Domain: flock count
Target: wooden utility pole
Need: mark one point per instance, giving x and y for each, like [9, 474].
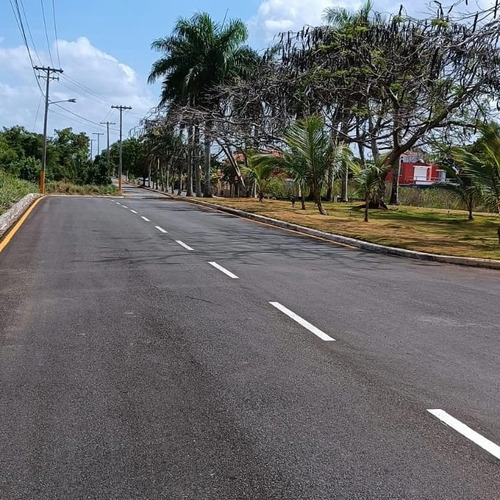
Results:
[121, 108]
[107, 146]
[98, 134]
[48, 70]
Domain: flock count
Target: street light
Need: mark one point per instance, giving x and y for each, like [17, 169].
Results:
[44, 153]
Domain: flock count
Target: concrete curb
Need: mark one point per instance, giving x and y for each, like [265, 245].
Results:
[344, 240]
[12, 215]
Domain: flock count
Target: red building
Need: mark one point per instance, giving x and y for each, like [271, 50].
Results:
[415, 172]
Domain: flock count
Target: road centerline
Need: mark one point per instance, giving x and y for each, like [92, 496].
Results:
[301, 321]
[161, 229]
[133, 211]
[224, 270]
[182, 244]
[145, 218]
[467, 432]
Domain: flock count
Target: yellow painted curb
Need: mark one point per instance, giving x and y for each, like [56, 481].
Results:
[18, 224]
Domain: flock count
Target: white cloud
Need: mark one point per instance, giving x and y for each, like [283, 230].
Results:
[109, 81]
[275, 16]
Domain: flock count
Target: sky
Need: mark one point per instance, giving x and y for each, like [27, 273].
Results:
[104, 50]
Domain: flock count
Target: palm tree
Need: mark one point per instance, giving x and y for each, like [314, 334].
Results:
[484, 166]
[461, 183]
[369, 181]
[341, 18]
[198, 56]
[307, 156]
[260, 173]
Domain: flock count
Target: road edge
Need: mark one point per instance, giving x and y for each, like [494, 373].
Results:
[15, 212]
[343, 240]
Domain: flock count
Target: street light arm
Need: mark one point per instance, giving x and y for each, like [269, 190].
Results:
[65, 100]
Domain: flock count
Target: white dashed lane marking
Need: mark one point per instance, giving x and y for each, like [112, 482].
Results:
[182, 244]
[145, 218]
[467, 432]
[161, 229]
[303, 322]
[225, 271]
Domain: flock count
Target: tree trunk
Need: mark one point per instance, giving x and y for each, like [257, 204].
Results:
[367, 206]
[189, 188]
[470, 206]
[329, 190]
[196, 161]
[207, 191]
[317, 200]
[396, 166]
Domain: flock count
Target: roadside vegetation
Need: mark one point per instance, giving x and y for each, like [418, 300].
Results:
[12, 190]
[440, 231]
[85, 189]
[69, 169]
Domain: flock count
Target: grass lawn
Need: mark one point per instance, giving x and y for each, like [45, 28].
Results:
[437, 231]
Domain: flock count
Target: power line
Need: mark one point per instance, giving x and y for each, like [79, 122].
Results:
[29, 33]
[55, 30]
[85, 94]
[79, 116]
[46, 32]
[37, 110]
[87, 89]
[19, 21]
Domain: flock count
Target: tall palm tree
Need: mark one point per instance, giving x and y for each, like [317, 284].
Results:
[199, 55]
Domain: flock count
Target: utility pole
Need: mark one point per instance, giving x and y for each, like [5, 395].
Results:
[121, 108]
[107, 147]
[98, 134]
[48, 70]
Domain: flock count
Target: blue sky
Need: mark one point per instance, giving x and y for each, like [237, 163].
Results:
[104, 49]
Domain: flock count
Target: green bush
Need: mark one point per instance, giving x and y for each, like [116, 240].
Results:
[69, 188]
[432, 197]
[12, 190]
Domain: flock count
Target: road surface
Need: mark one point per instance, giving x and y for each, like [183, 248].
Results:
[150, 349]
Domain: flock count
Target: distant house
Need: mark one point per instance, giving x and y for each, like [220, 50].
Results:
[415, 172]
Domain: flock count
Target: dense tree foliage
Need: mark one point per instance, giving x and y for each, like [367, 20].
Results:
[67, 157]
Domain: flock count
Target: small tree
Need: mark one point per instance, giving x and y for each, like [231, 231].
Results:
[483, 167]
[259, 171]
[369, 182]
[307, 155]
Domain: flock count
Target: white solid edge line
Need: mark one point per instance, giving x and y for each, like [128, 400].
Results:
[467, 432]
[133, 211]
[161, 229]
[145, 218]
[225, 271]
[182, 244]
[303, 322]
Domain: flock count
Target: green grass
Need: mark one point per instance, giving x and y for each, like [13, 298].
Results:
[12, 190]
[439, 231]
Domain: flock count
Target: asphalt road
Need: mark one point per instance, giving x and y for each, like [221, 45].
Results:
[153, 350]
